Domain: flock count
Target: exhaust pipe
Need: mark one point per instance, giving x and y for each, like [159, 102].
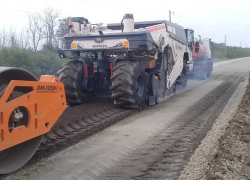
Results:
[128, 21]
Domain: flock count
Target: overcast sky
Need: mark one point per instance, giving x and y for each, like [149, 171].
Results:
[209, 18]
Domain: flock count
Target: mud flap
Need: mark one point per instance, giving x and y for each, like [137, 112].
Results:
[151, 100]
[159, 88]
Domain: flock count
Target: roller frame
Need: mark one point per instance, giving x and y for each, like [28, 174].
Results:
[44, 108]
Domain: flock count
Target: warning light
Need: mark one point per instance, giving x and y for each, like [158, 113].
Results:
[126, 44]
[73, 45]
[70, 24]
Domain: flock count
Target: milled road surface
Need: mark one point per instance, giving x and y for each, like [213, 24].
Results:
[154, 144]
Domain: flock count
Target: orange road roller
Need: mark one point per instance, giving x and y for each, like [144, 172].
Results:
[28, 109]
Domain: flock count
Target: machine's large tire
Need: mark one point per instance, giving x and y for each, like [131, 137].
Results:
[182, 79]
[209, 68]
[129, 84]
[184, 74]
[202, 75]
[71, 75]
[203, 71]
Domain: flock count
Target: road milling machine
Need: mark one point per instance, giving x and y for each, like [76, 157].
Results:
[139, 62]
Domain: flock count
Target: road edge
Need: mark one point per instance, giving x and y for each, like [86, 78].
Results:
[196, 167]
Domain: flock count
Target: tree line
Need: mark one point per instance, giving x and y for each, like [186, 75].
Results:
[44, 31]
[220, 52]
[38, 63]
[34, 48]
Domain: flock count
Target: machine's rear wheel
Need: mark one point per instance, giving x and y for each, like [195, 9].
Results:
[209, 68]
[203, 71]
[202, 75]
[184, 74]
[71, 75]
[182, 79]
[129, 84]
[15, 157]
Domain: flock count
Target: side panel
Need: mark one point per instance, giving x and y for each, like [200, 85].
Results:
[44, 104]
[177, 45]
[96, 42]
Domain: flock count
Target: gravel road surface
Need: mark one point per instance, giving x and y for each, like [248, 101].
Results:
[156, 143]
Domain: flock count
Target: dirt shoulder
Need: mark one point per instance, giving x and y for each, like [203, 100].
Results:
[225, 152]
[232, 160]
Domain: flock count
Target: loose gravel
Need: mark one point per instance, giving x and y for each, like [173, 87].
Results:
[232, 160]
[223, 152]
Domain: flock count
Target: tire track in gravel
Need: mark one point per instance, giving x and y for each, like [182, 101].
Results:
[76, 124]
[81, 127]
[165, 155]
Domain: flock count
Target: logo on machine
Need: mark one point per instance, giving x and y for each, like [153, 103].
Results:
[100, 46]
[120, 44]
[47, 89]
[178, 47]
[98, 40]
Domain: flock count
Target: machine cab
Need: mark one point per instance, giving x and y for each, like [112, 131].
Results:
[190, 38]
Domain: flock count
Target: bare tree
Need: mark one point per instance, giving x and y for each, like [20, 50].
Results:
[36, 30]
[62, 30]
[50, 22]
[3, 38]
[40, 26]
[63, 27]
[24, 39]
[12, 38]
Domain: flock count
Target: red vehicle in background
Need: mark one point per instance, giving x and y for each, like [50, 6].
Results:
[203, 64]
[202, 55]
